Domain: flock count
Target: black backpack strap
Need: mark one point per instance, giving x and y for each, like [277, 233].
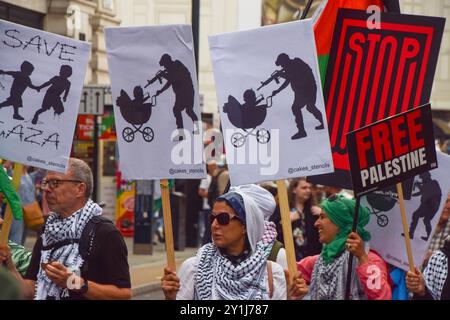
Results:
[87, 240]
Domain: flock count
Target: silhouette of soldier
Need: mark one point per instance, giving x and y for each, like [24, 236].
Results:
[179, 77]
[52, 99]
[301, 78]
[21, 82]
[431, 194]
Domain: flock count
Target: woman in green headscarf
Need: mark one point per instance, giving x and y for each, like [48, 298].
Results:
[326, 273]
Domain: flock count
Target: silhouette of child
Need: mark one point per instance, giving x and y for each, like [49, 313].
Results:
[52, 99]
[21, 82]
[250, 99]
[139, 97]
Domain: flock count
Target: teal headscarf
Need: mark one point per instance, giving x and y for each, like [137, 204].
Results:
[7, 188]
[341, 211]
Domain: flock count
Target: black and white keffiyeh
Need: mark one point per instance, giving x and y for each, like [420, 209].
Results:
[58, 229]
[328, 281]
[244, 281]
[435, 274]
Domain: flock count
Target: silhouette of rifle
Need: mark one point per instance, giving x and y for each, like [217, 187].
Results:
[275, 76]
[159, 76]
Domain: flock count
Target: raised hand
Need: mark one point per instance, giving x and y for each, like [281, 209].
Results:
[170, 284]
[415, 282]
[298, 287]
[355, 245]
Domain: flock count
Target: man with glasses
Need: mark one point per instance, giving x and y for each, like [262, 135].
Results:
[63, 265]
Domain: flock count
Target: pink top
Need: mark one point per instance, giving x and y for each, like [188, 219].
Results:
[373, 275]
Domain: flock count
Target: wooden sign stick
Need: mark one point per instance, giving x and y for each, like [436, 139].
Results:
[168, 230]
[405, 227]
[287, 228]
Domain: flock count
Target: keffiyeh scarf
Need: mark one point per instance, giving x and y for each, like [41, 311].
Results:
[59, 229]
[328, 280]
[244, 281]
[436, 273]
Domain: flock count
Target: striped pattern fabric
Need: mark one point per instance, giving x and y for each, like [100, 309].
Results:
[20, 256]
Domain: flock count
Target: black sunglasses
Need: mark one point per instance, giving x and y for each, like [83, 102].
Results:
[223, 218]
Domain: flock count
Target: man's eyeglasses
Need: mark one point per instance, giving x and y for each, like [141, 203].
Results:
[54, 183]
[223, 218]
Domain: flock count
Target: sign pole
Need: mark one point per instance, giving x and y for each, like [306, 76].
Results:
[350, 259]
[405, 227]
[6, 227]
[168, 230]
[287, 228]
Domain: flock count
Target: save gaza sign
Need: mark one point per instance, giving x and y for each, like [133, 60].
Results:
[392, 150]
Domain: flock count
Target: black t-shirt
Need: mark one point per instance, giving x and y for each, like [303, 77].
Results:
[108, 263]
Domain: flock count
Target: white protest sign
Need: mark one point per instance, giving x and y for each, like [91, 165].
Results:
[156, 105]
[41, 78]
[425, 197]
[271, 103]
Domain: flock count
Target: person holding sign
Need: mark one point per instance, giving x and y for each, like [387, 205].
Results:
[326, 273]
[68, 263]
[234, 266]
[434, 283]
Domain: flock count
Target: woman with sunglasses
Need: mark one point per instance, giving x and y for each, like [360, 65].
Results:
[234, 266]
[326, 274]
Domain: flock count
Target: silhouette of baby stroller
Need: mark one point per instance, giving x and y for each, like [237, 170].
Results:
[248, 118]
[381, 201]
[136, 113]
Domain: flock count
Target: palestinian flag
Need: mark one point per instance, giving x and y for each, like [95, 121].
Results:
[324, 26]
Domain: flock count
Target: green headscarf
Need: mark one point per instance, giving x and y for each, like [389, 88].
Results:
[7, 188]
[341, 211]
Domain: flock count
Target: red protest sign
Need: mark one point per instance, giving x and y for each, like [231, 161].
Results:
[391, 150]
[374, 73]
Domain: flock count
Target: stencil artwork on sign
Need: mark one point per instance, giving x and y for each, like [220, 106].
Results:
[137, 113]
[248, 116]
[179, 78]
[20, 83]
[299, 75]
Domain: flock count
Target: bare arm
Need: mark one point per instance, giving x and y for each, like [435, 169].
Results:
[203, 193]
[106, 292]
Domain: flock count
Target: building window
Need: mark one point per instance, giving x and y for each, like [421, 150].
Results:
[21, 16]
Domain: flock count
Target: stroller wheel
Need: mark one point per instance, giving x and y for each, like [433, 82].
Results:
[148, 134]
[237, 139]
[263, 136]
[128, 134]
[382, 220]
